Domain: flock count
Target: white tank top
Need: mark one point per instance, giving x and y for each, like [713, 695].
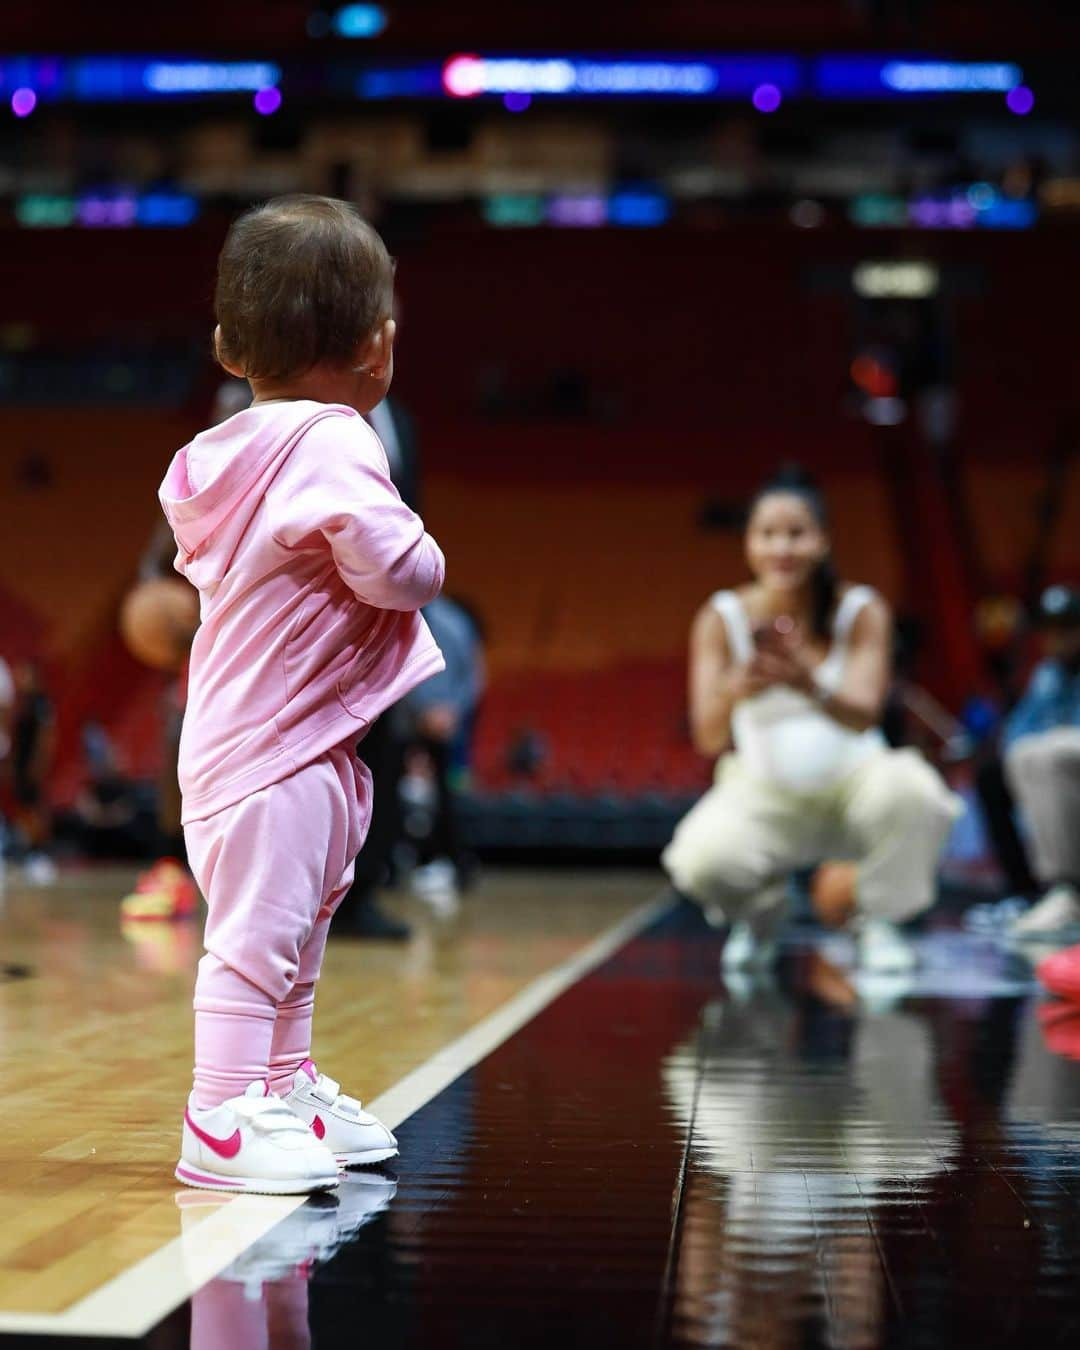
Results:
[782, 735]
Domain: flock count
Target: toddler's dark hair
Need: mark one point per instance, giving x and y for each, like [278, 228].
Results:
[301, 279]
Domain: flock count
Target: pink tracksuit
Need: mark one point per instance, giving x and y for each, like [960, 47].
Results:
[310, 571]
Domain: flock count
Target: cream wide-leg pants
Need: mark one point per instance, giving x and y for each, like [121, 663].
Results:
[1044, 773]
[892, 815]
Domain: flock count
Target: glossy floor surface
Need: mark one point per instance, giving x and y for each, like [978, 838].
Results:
[95, 1049]
[663, 1157]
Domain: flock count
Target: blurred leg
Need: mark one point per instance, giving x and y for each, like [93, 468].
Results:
[444, 841]
[998, 807]
[740, 836]
[170, 831]
[381, 750]
[1044, 773]
[897, 816]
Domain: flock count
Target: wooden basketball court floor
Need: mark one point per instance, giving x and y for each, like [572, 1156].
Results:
[95, 1050]
[604, 1141]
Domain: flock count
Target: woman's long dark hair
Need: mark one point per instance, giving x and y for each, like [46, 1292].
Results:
[794, 481]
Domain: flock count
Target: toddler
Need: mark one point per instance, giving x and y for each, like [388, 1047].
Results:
[310, 572]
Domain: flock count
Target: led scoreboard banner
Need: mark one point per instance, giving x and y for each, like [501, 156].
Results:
[765, 79]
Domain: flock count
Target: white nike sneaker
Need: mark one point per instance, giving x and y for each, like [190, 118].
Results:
[253, 1143]
[883, 949]
[1059, 908]
[744, 951]
[353, 1136]
[752, 943]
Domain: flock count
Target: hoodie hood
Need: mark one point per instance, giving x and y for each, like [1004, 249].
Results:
[232, 465]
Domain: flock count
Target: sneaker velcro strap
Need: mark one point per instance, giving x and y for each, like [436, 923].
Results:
[326, 1090]
[269, 1114]
[278, 1124]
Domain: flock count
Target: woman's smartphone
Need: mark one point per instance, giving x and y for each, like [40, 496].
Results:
[774, 633]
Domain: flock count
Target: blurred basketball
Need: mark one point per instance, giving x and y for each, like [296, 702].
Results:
[158, 620]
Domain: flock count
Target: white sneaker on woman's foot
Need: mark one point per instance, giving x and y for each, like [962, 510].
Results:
[355, 1137]
[743, 950]
[883, 949]
[253, 1143]
[752, 943]
[1058, 909]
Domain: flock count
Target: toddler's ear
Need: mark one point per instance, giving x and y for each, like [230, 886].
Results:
[222, 360]
[377, 353]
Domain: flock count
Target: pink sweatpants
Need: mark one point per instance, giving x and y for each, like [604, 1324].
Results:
[273, 869]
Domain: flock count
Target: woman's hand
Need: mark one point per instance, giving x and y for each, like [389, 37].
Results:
[786, 664]
[782, 658]
[746, 681]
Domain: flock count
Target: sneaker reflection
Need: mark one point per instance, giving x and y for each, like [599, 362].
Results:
[225, 1316]
[259, 1301]
[804, 1120]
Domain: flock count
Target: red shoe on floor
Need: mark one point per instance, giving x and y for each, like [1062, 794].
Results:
[164, 891]
[1060, 973]
[1060, 1023]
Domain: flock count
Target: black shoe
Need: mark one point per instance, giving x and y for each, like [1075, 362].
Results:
[467, 866]
[369, 921]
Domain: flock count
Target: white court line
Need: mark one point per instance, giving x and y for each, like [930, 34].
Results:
[135, 1301]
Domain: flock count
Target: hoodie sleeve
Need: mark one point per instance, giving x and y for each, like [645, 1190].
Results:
[337, 485]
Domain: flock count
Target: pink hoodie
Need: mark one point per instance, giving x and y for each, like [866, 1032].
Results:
[310, 570]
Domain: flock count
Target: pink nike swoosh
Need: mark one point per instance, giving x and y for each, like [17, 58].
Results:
[318, 1127]
[226, 1148]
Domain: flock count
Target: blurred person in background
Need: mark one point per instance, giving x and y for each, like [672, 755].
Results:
[165, 890]
[394, 428]
[1042, 766]
[383, 748]
[1001, 625]
[33, 742]
[111, 817]
[1010, 850]
[443, 710]
[788, 680]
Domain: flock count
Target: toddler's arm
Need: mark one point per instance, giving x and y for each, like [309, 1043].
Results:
[339, 487]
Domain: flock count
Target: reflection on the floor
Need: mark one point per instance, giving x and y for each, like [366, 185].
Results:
[666, 1158]
[261, 1298]
[95, 1056]
[802, 1123]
